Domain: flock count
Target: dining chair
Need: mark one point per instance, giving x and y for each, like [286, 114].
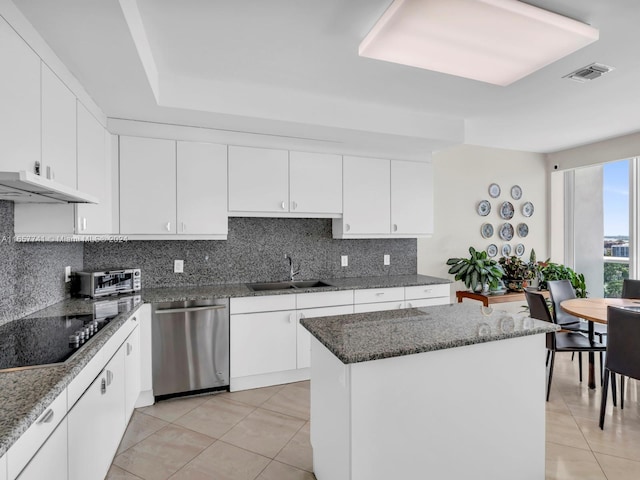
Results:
[623, 354]
[559, 291]
[630, 288]
[563, 341]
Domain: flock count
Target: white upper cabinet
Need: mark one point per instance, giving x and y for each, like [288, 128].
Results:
[19, 101]
[202, 188]
[385, 199]
[315, 183]
[94, 176]
[58, 130]
[367, 196]
[411, 198]
[258, 180]
[147, 186]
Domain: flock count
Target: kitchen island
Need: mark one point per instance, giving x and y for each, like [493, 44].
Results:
[444, 392]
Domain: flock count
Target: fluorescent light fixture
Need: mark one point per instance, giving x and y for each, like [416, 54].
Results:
[493, 41]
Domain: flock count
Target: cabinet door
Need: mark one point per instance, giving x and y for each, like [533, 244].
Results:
[258, 180]
[96, 423]
[3, 467]
[411, 198]
[131, 371]
[51, 460]
[202, 188]
[377, 307]
[367, 194]
[304, 337]
[262, 343]
[20, 101]
[315, 183]
[58, 130]
[94, 175]
[147, 186]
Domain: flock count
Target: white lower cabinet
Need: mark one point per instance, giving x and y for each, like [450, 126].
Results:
[97, 422]
[131, 372]
[427, 295]
[3, 467]
[263, 342]
[303, 335]
[51, 460]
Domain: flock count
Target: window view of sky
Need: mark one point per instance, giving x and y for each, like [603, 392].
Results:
[616, 198]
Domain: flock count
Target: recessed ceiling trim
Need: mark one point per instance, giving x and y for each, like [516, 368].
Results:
[134, 21]
[493, 41]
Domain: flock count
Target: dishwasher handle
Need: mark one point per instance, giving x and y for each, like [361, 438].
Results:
[191, 309]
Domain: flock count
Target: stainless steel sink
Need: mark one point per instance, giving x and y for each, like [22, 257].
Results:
[260, 287]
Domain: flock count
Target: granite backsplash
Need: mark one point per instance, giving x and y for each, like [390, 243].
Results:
[255, 252]
[31, 274]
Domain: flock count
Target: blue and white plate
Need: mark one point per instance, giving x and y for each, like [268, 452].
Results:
[492, 250]
[507, 210]
[527, 209]
[494, 190]
[486, 230]
[522, 229]
[519, 250]
[506, 232]
[516, 192]
[506, 250]
[484, 208]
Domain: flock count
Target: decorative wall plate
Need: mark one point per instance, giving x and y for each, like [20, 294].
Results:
[516, 192]
[527, 209]
[492, 250]
[486, 230]
[506, 250]
[494, 190]
[506, 232]
[484, 208]
[522, 229]
[507, 210]
[519, 250]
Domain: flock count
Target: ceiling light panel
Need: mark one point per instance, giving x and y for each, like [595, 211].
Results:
[493, 41]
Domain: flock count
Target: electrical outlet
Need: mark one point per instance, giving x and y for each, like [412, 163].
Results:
[67, 274]
[178, 266]
[387, 259]
[345, 260]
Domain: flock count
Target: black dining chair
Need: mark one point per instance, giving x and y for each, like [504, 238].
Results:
[562, 341]
[630, 288]
[559, 291]
[623, 354]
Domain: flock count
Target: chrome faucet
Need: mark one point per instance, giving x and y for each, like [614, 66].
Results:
[292, 272]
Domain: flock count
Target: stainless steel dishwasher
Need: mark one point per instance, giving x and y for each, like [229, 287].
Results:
[190, 347]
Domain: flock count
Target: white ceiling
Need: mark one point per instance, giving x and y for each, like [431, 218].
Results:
[291, 68]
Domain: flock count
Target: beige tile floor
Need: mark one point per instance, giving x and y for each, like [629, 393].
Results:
[263, 434]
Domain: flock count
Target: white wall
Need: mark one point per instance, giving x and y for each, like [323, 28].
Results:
[462, 176]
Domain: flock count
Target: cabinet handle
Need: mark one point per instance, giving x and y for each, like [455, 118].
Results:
[399, 306]
[283, 205]
[294, 205]
[129, 349]
[184, 227]
[168, 226]
[291, 318]
[84, 223]
[347, 227]
[46, 418]
[109, 377]
[103, 386]
[134, 319]
[409, 305]
[395, 227]
[379, 294]
[427, 290]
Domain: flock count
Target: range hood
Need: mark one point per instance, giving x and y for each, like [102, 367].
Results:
[27, 187]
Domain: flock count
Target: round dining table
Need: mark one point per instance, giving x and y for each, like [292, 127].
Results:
[595, 310]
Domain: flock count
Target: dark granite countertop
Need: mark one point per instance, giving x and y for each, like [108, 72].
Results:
[173, 294]
[26, 393]
[362, 337]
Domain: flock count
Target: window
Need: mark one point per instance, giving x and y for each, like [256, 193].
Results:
[615, 201]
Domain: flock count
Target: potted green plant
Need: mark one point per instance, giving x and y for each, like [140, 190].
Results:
[556, 271]
[478, 272]
[517, 273]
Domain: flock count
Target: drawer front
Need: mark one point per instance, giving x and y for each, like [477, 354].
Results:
[30, 441]
[427, 302]
[372, 295]
[324, 299]
[265, 303]
[427, 291]
[92, 369]
[377, 307]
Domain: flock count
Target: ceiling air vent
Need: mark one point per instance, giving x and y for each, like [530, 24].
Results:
[590, 72]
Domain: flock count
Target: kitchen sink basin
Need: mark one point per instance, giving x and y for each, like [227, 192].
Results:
[260, 287]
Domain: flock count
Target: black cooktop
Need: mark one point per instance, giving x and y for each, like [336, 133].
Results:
[48, 340]
[31, 342]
